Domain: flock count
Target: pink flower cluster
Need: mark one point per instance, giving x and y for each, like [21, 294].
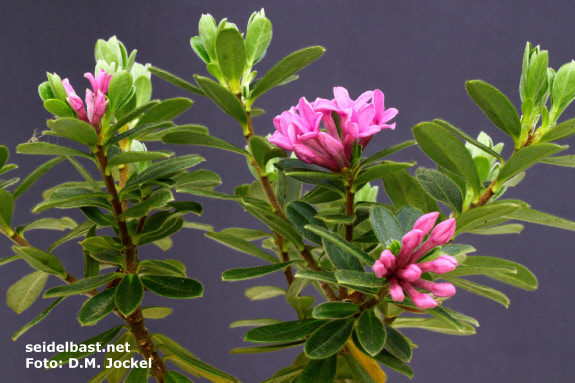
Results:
[95, 101]
[404, 273]
[298, 129]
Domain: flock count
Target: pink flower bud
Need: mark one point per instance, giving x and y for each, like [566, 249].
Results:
[395, 290]
[387, 259]
[408, 243]
[379, 269]
[425, 222]
[443, 264]
[410, 273]
[101, 82]
[437, 289]
[443, 232]
[423, 301]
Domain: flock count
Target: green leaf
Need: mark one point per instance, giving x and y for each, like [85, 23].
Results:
[156, 201]
[135, 113]
[566, 161]
[258, 37]
[342, 243]
[301, 214]
[186, 361]
[253, 272]
[440, 314]
[263, 151]
[175, 80]
[6, 209]
[387, 152]
[100, 243]
[156, 312]
[75, 130]
[538, 217]
[379, 171]
[36, 320]
[386, 358]
[164, 168]
[74, 200]
[335, 310]
[284, 332]
[139, 132]
[201, 139]
[49, 224]
[359, 278]
[224, 99]
[131, 157]
[385, 226]
[267, 348]
[341, 258]
[137, 375]
[58, 108]
[322, 276]
[469, 139]
[78, 231]
[231, 54]
[23, 293]
[57, 87]
[254, 322]
[259, 293]
[478, 289]
[103, 339]
[406, 217]
[512, 228]
[166, 110]
[119, 88]
[563, 87]
[175, 377]
[370, 332]
[356, 370]
[129, 294]
[44, 148]
[173, 287]
[40, 260]
[81, 286]
[285, 68]
[434, 325]
[397, 344]
[522, 278]
[319, 371]
[246, 234]
[276, 223]
[156, 267]
[406, 190]
[45, 91]
[483, 215]
[441, 187]
[496, 107]
[447, 151]
[241, 245]
[329, 339]
[525, 158]
[96, 308]
[563, 130]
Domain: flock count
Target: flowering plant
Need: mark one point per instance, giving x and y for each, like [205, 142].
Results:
[379, 267]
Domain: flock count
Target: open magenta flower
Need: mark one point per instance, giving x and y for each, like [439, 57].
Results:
[299, 128]
[404, 272]
[95, 100]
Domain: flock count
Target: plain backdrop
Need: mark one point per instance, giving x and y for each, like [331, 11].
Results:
[419, 53]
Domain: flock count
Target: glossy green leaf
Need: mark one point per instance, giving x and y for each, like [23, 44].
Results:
[387, 359]
[254, 322]
[137, 375]
[131, 157]
[538, 217]
[200, 139]
[6, 209]
[406, 190]
[522, 278]
[566, 161]
[379, 171]
[176, 377]
[258, 37]
[36, 320]
[44, 148]
[512, 228]
[341, 258]
[478, 289]
[156, 312]
[175, 80]
[24, 293]
[385, 226]
[435, 325]
[262, 151]
[231, 54]
[341, 243]
[75, 130]
[357, 371]
[156, 201]
[527, 157]
[483, 215]
[441, 187]
[322, 276]
[224, 99]
[103, 339]
[96, 308]
[78, 231]
[370, 332]
[285, 68]
[563, 87]
[447, 151]
[101, 243]
[156, 267]
[81, 286]
[166, 110]
[241, 245]
[259, 293]
[41, 260]
[397, 344]
[129, 294]
[496, 107]
[119, 88]
[284, 332]
[140, 132]
[164, 168]
[335, 310]
[276, 223]
[319, 371]
[135, 113]
[387, 152]
[359, 278]
[253, 272]
[329, 338]
[58, 108]
[74, 200]
[301, 214]
[173, 287]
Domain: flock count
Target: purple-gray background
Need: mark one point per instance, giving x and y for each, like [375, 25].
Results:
[418, 52]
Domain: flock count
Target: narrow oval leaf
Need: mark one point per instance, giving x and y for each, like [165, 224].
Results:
[370, 332]
[23, 293]
[119, 88]
[447, 151]
[97, 307]
[156, 312]
[36, 320]
[166, 110]
[34, 176]
[241, 245]
[156, 201]
[47, 149]
[335, 310]
[102, 339]
[164, 168]
[301, 214]
[201, 139]
[341, 258]
[131, 157]
[396, 343]
[173, 287]
[224, 99]
[329, 339]
[285, 68]
[441, 187]
[478, 289]
[231, 54]
[41, 260]
[319, 371]
[385, 226]
[342, 243]
[129, 294]
[175, 80]
[496, 107]
[284, 332]
[253, 272]
[522, 278]
[483, 215]
[81, 286]
[6, 209]
[75, 130]
[259, 293]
